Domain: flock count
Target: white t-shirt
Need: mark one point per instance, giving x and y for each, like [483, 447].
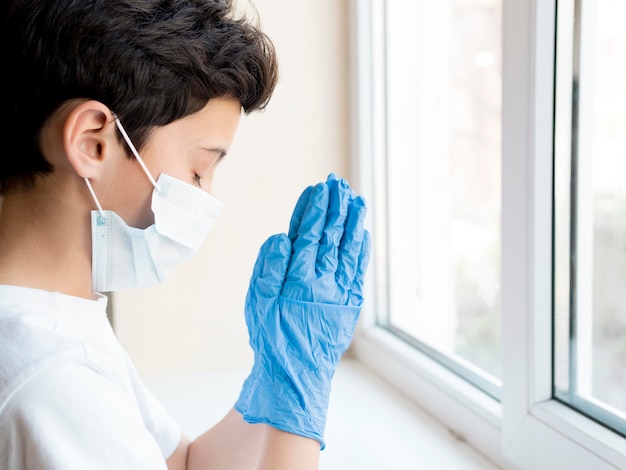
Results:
[70, 397]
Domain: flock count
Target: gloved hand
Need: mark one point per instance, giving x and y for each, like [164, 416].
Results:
[302, 306]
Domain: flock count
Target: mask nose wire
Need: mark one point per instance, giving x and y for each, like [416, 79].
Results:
[135, 153]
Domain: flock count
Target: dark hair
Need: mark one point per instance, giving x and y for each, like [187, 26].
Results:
[150, 61]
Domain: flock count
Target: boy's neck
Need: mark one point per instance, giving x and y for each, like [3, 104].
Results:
[45, 244]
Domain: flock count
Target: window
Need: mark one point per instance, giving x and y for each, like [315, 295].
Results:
[590, 210]
[465, 141]
[442, 94]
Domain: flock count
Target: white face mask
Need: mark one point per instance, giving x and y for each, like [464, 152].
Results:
[125, 257]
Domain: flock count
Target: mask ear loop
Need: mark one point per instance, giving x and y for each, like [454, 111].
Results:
[93, 195]
[135, 153]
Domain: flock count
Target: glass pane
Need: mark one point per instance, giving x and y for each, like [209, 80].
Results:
[444, 160]
[590, 212]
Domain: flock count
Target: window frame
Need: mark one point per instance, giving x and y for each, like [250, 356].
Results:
[528, 427]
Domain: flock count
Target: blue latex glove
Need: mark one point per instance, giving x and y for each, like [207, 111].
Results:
[302, 306]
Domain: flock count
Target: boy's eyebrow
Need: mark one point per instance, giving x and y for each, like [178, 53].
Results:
[219, 150]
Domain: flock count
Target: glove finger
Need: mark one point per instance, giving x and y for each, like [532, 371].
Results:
[338, 201]
[296, 217]
[351, 243]
[333, 176]
[309, 234]
[356, 292]
[271, 266]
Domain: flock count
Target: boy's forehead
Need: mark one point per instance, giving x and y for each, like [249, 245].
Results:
[212, 128]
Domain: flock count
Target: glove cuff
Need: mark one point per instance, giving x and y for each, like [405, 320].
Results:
[295, 403]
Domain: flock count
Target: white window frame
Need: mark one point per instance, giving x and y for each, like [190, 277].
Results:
[527, 428]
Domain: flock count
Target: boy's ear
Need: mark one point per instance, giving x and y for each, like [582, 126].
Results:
[89, 136]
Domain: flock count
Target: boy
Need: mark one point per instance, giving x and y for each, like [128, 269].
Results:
[117, 115]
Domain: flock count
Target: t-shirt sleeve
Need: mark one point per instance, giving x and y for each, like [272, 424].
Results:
[160, 423]
[71, 417]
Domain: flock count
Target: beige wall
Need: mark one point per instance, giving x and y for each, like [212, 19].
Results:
[194, 322]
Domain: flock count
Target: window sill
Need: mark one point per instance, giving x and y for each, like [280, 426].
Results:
[369, 425]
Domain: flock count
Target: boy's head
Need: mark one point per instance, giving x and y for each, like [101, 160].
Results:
[150, 62]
